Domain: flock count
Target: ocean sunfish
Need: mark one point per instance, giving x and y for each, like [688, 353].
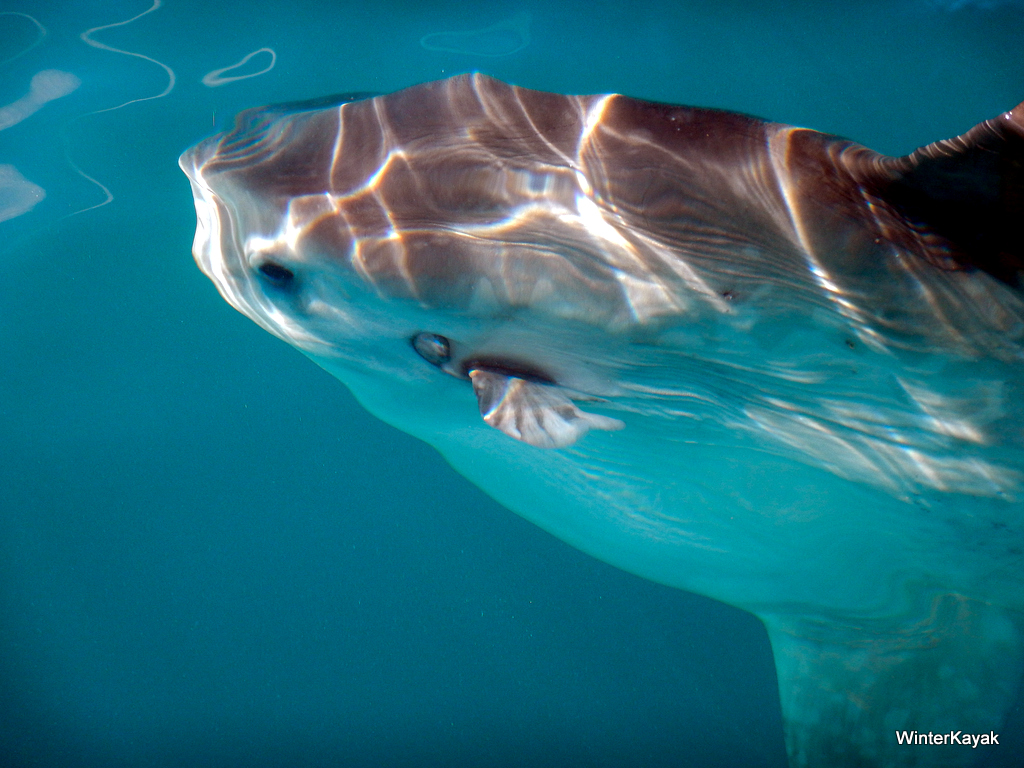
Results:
[744, 359]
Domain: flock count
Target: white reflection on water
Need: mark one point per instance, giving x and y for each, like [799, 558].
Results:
[18, 195]
[501, 39]
[216, 78]
[40, 34]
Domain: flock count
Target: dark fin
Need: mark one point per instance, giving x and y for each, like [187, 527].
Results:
[851, 692]
[969, 191]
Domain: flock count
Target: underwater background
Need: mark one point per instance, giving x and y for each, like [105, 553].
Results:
[209, 554]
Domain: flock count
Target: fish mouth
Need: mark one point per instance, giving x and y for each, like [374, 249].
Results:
[192, 160]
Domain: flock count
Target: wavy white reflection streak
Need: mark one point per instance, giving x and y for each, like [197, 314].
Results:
[899, 463]
[214, 80]
[41, 29]
[86, 38]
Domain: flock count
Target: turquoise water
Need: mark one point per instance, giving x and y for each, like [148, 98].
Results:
[209, 554]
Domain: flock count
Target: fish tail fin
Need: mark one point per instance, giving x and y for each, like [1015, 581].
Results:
[878, 693]
[964, 197]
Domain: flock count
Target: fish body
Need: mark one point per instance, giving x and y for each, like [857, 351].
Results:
[748, 360]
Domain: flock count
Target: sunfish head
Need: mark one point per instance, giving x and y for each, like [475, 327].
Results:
[451, 256]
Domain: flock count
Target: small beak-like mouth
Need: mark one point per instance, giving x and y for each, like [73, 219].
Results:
[195, 158]
[192, 158]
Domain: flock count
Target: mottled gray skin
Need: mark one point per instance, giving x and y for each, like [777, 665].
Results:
[748, 360]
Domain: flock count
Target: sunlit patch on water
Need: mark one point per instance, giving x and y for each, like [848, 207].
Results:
[18, 195]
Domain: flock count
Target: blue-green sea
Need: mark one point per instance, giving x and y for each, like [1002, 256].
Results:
[210, 555]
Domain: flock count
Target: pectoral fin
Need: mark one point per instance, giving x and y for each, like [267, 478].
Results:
[538, 414]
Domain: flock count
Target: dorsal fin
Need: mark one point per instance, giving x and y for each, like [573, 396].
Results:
[968, 190]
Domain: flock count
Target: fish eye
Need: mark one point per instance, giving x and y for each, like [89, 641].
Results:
[436, 350]
[276, 273]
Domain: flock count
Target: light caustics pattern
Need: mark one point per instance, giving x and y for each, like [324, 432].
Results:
[806, 392]
[217, 78]
[87, 38]
[18, 195]
[39, 29]
[501, 39]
